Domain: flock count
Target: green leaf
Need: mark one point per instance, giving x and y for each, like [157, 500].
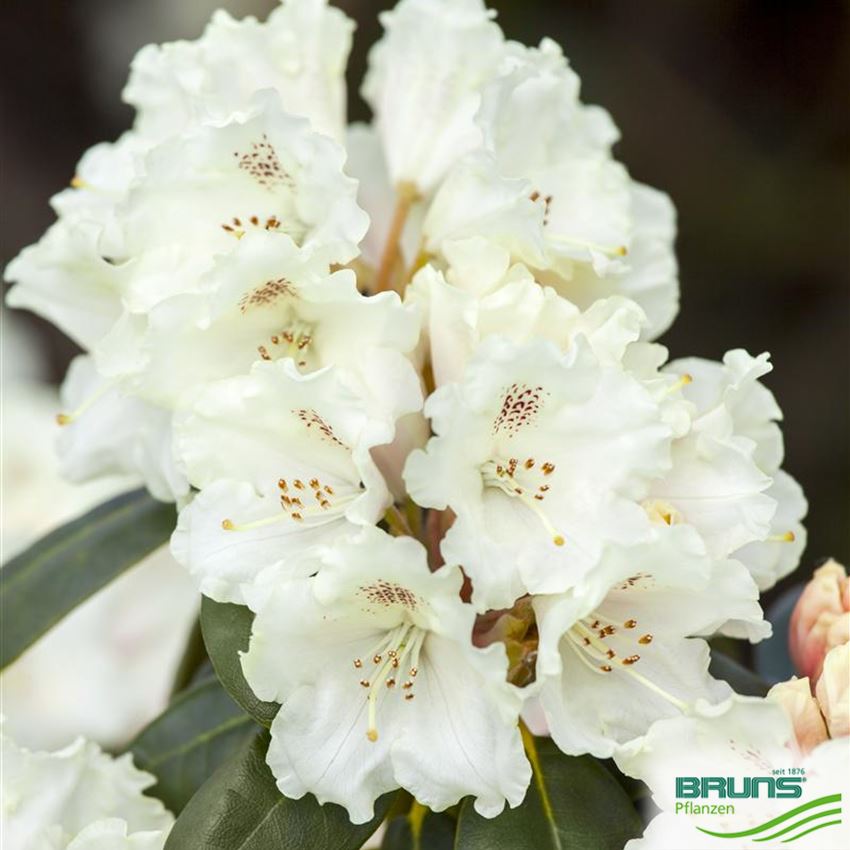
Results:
[194, 659]
[742, 680]
[240, 808]
[420, 829]
[182, 747]
[47, 581]
[571, 803]
[227, 630]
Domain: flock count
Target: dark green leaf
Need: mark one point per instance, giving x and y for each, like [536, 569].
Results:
[182, 747]
[227, 630]
[420, 830]
[742, 680]
[772, 657]
[47, 581]
[193, 660]
[240, 808]
[571, 803]
[634, 788]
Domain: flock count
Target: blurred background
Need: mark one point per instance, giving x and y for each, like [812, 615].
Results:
[739, 109]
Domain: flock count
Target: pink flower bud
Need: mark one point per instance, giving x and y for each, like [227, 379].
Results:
[821, 619]
[795, 697]
[832, 691]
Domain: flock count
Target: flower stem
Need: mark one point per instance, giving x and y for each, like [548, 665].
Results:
[397, 522]
[406, 197]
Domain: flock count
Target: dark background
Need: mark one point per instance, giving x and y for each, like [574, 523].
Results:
[738, 109]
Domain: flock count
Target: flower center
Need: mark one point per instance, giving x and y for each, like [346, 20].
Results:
[294, 341]
[547, 202]
[591, 638]
[660, 511]
[394, 656]
[526, 482]
[312, 503]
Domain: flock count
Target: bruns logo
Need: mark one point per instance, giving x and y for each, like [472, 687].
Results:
[738, 788]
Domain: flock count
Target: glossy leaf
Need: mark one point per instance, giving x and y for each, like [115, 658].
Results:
[48, 580]
[240, 808]
[184, 746]
[742, 680]
[420, 829]
[227, 630]
[571, 803]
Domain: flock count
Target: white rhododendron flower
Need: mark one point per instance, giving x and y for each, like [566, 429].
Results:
[112, 433]
[400, 380]
[425, 81]
[616, 652]
[266, 301]
[282, 462]
[382, 685]
[543, 457]
[264, 170]
[739, 739]
[732, 398]
[300, 52]
[481, 295]
[725, 479]
[78, 797]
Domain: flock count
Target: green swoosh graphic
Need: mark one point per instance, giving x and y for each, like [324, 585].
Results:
[813, 829]
[821, 801]
[809, 819]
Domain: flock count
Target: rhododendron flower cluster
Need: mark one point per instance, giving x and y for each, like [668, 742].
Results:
[401, 381]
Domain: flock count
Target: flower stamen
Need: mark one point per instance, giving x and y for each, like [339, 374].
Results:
[503, 476]
[327, 508]
[403, 642]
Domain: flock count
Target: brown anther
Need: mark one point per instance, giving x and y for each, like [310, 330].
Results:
[529, 463]
[364, 682]
[299, 484]
[314, 483]
[632, 659]
[390, 682]
[606, 668]
[377, 659]
[281, 482]
[263, 352]
[586, 641]
[610, 653]
[548, 468]
[409, 696]
[358, 663]
[645, 639]
[629, 624]
[407, 685]
[413, 671]
[297, 517]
